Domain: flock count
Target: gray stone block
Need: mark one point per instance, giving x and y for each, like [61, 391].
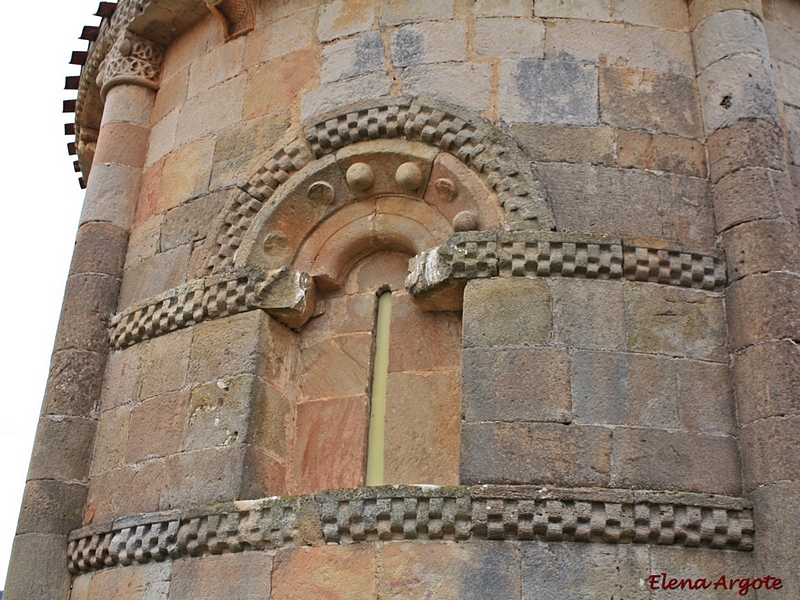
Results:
[63, 448]
[588, 314]
[465, 84]
[352, 57]
[762, 246]
[767, 379]
[770, 452]
[694, 564]
[432, 42]
[755, 143]
[746, 300]
[154, 275]
[243, 576]
[509, 38]
[728, 33]
[52, 507]
[38, 568]
[331, 95]
[74, 384]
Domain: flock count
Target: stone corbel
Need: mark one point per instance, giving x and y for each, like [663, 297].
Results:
[133, 60]
[237, 17]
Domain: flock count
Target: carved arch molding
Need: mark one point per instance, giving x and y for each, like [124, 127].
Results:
[414, 175]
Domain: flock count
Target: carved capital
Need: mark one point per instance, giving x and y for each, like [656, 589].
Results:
[237, 17]
[133, 60]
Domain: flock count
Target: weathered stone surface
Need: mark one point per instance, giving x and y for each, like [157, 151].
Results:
[271, 421]
[763, 307]
[449, 571]
[358, 55]
[588, 314]
[503, 8]
[540, 453]
[163, 363]
[751, 143]
[99, 248]
[700, 9]
[38, 568]
[344, 17]
[162, 137]
[658, 152]
[337, 366]
[112, 439]
[668, 51]
[186, 174]
[792, 117]
[128, 104]
[111, 195]
[432, 42]
[694, 564]
[767, 379]
[782, 12]
[784, 44]
[645, 99]
[441, 332]
[221, 413]
[564, 143]
[189, 47]
[760, 247]
[171, 94]
[147, 202]
[396, 12]
[124, 491]
[735, 88]
[156, 427]
[750, 194]
[778, 533]
[122, 144]
[576, 571]
[189, 222]
[728, 33]
[675, 322]
[516, 384]
[666, 14]
[63, 448]
[664, 459]
[332, 572]
[219, 64]
[51, 507]
[509, 38]
[330, 95]
[280, 37]
[548, 91]
[140, 582]
[211, 111]
[787, 80]
[466, 84]
[275, 85]
[74, 383]
[89, 302]
[242, 576]
[506, 312]
[770, 453]
[589, 41]
[595, 10]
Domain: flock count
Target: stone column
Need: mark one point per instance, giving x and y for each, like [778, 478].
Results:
[755, 216]
[55, 492]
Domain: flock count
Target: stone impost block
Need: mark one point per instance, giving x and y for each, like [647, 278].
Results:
[700, 9]
[343, 572]
[509, 38]
[658, 152]
[63, 448]
[762, 246]
[539, 453]
[564, 143]
[588, 314]
[770, 452]
[750, 143]
[74, 384]
[38, 567]
[51, 506]
[516, 384]
[767, 379]
[359, 55]
[665, 459]
[726, 34]
[241, 576]
[645, 99]
[99, 248]
[506, 312]
[735, 88]
[431, 42]
[548, 91]
[89, 301]
[341, 18]
[111, 195]
[763, 307]
[467, 84]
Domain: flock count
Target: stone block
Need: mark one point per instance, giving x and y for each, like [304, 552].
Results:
[273, 417]
[89, 301]
[397, 12]
[665, 459]
[423, 417]
[668, 51]
[763, 307]
[593, 10]
[74, 384]
[190, 221]
[574, 571]
[163, 362]
[124, 491]
[767, 380]
[338, 572]
[735, 88]
[99, 248]
[172, 93]
[331, 444]
[331, 95]
[185, 174]
[503, 8]
[726, 34]
[564, 143]
[588, 314]
[431, 42]
[38, 568]
[156, 427]
[665, 14]
[274, 86]
[646, 99]
[422, 341]
[337, 366]
[657, 152]
[149, 191]
[51, 507]
[587, 41]
[128, 104]
[220, 64]
[211, 111]
[548, 91]
[449, 571]
[281, 37]
[81, 585]
[465, 84]
[776, 521]
[509, 38]
[506, 312]
[695, 563]
[787, 82]
[241, 576]
[112, 439]
[190, 46]
[162, 137]
[700, 9]
[154, 275]
[770, 451]
[220, 413]
[122, 381]
[358, 55]
[122, 144]
[760, 247]
[792, 118]
[675, 322]
[111, 195]
[63, 448]
[707, 402]
[136, 582]
[784, 44]
[516, 384]
[538, 453]
[783, 12]
[754, 143]
[341, 18]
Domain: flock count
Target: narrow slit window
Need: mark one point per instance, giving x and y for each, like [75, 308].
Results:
[380, 373]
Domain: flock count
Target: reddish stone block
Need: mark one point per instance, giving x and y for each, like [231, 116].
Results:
[124, 491]
[240, 576]
[330, 572]
[276, 84]
[336, 366]
[156, 427]
[149, 190]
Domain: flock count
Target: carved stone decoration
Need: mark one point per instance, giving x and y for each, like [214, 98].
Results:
[87, 144]
[133, 60]
[237, 17]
